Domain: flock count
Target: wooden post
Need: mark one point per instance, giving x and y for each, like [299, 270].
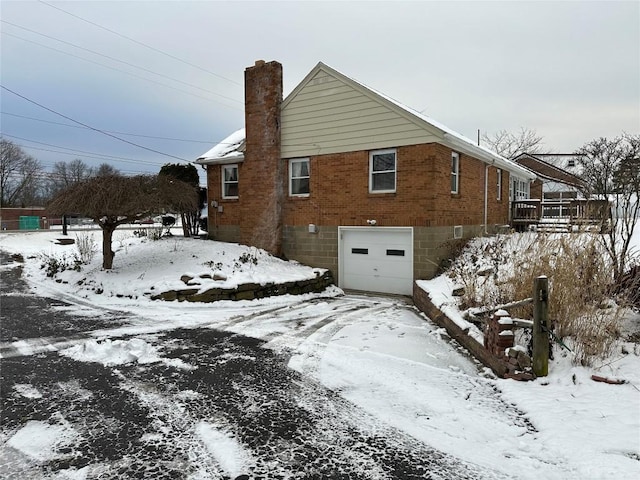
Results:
[541, 326]
[64, 224]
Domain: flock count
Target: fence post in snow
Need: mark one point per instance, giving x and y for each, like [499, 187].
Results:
[541, 326]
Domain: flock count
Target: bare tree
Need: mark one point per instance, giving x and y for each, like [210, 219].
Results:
[20, 175]
[510, 145]
[113, 200]
[106, 169]
[611, 170]
[67, 174]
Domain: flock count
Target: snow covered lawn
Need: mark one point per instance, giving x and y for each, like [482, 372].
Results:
[377, 353]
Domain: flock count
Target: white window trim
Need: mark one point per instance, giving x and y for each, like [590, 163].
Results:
[224, 167]
[455, 173]
[521, 189]
[395, 170]
[499, 184]
[291, 162]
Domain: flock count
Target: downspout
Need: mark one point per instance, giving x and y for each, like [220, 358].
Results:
[486, 197]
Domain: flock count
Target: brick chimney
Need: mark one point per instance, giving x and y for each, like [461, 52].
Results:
[261, 176]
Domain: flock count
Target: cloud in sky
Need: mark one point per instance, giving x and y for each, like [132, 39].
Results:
[569, 70]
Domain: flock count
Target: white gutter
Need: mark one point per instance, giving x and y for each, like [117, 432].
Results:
[488, 156]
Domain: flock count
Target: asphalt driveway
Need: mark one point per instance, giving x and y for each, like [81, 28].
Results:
[219, 406]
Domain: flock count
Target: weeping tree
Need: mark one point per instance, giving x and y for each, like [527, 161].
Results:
[113, 200]
[187, 173]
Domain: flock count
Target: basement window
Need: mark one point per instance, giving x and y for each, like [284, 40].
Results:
[230, 181]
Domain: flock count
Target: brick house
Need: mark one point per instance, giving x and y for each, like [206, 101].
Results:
[339, 176]
[554, 181]
[558, 201]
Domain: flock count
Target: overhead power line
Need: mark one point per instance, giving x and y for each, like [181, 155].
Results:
[125, 72]
[83, 152]
[142, 44]
[209, 142]
[92, 128]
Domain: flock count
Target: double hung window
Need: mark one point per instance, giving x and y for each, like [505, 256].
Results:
[299, 177]
[455, 172]
[230, 181]
[382, 171]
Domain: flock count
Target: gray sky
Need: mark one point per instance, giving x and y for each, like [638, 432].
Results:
[569, 70]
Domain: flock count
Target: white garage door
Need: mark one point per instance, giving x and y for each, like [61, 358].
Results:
[376, 259]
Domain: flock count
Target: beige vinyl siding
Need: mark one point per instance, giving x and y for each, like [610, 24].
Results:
[328, 115]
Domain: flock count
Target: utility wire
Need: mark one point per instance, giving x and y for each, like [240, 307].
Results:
[92, 128]
[94, 154]
[209, 142]
[141, 43]
[123, 71]
[114, 59]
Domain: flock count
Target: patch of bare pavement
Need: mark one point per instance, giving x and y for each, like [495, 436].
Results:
[220, 406]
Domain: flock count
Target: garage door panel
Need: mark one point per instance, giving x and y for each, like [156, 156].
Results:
[377, 259]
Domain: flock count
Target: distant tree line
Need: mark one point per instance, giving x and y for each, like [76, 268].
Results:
[25, 183]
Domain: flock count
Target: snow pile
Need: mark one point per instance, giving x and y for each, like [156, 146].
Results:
[27, 391]
[41, 441]
[113, 352]
[227, 451]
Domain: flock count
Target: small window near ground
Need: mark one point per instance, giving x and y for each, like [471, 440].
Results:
[455, 172]
[299, 177]
[382, 171]
[457, 231]
[229, 181]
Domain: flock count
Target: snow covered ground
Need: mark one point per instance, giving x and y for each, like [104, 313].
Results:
[377, 353]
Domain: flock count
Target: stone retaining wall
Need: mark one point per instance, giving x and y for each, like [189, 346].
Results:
[422, 300]
[249, 291]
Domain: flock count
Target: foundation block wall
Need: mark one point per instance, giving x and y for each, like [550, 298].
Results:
[316, 249]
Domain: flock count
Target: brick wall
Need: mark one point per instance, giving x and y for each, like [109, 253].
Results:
[10, 217]
[339, 187]
[223, 225]
[261, 181]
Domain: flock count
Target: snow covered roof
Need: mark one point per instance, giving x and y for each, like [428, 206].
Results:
[549, 170]
[451, 137]
[232, 148]
[229, 150]
[569, 162]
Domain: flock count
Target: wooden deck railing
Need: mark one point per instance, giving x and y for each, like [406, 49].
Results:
[574, 212]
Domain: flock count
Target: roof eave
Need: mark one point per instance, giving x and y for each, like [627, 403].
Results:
[220, 161]
[488, 157]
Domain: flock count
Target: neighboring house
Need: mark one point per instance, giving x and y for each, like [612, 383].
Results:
[553, 181]
[557, 200]
[342, 177]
